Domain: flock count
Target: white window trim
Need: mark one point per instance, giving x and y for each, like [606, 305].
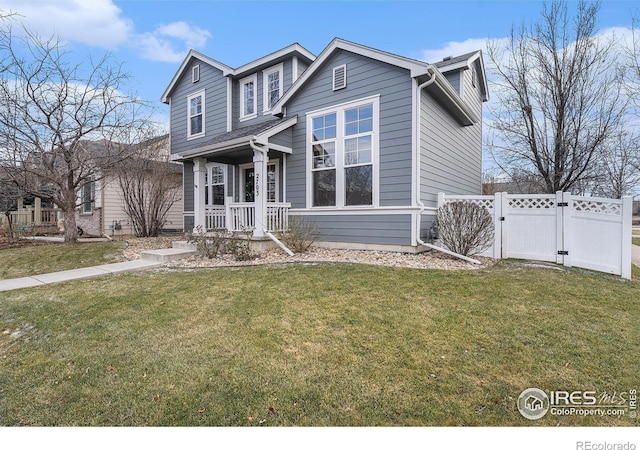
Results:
[202, 133]
[266, 109]
[339, 167]
[195, 73]
[241, 167]
[251, 78]
[209, 186]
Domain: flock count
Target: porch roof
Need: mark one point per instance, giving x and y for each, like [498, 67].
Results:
[241, 138]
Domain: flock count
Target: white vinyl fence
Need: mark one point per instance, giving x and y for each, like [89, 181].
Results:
[589, 232]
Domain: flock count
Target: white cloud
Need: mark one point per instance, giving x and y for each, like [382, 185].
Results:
[93, 22]
[192, 35]
[170, 42]
[100, 23]
[454, 48]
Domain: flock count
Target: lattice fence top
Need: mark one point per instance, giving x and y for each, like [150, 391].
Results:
[597, 206]
[485, 202]
[532, 203]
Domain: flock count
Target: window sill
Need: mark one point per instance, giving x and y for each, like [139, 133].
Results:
[245, 118]
[195, 136]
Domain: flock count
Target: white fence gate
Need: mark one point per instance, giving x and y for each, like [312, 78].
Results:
[589, 232]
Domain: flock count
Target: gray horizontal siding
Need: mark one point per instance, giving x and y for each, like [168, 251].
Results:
[450, 155]
[454, 79]
[364, 229]
[365, 77]
[187, 195]
[215, 87]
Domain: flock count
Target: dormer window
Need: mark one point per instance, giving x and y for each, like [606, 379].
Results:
[272, 86]
[248, 97]
[195, 74]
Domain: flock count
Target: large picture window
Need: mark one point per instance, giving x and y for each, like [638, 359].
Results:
[343, 144]
[195, 114]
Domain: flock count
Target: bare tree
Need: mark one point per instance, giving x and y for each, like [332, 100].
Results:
[50, 108]
[9, 196]
[150, 184]
[560, 95]
[617, 166]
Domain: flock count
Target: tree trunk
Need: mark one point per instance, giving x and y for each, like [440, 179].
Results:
[70, 227]
[9, 227]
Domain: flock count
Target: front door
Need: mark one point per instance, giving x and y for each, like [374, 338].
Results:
[249, 185]
[272, 183]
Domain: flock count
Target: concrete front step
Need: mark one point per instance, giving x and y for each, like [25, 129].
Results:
[184, 245]
[165, 254]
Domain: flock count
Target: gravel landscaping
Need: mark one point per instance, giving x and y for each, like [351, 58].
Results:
[426, 260]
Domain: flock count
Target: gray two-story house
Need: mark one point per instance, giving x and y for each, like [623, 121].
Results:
[357, 140]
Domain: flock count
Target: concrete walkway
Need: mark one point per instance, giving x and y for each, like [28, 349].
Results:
[148, 260]
[635, 255]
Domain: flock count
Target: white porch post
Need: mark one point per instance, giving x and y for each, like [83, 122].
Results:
[199, 185]
[260, 191]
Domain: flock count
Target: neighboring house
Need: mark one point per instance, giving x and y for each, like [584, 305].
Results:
[357, 140]
[101, 206]
[101, 209]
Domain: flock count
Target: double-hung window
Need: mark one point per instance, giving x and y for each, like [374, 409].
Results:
[214, 181]
[272, 86]
[195, 115]
[343, 155]
[248, 97]
[87, 195]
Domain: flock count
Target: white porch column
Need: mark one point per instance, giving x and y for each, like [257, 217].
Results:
[260, 191]
[199, 185]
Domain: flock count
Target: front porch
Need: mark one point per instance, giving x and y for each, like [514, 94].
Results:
[239, 180]
[241, 217]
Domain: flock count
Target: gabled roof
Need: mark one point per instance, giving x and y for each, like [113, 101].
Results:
[229, 71]
[226, 70]
[267, 59]
[415, 66]
[465, 62]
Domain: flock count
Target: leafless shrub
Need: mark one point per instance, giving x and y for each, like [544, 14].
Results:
[300, 235]
[465, 227]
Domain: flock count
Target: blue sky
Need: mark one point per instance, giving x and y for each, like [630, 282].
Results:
[151, 37]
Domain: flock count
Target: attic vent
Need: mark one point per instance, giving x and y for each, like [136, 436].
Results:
[447, 58]
[339, 77]
[195, 74]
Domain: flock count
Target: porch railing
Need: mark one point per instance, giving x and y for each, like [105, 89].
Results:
[29, 216]
[215, 217]
[242, 217]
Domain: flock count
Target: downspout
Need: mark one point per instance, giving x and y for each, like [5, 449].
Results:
[418, 200]
[254, 146]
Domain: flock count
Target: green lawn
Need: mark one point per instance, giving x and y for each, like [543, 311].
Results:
[635, 241]
[314, 345]
[53, 257]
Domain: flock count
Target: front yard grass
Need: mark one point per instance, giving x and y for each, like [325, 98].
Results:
[635, 241]
[315, 345]
[36, 259]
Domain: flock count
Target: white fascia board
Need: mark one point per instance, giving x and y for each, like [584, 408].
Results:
[265, 60]
[226, 70]
[416, 68]
[215, 147]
